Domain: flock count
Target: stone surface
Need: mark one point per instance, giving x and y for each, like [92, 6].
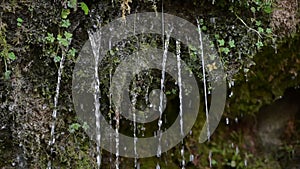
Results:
[273, 119]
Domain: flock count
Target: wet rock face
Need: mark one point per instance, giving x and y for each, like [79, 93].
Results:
[275, 122]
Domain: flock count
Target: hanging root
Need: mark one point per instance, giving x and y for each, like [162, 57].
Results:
[125, 7]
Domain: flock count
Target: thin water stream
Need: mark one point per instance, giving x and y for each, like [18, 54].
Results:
[95, 40]
[162, 88]
[178, 53]
[55, 107]
[204, 78]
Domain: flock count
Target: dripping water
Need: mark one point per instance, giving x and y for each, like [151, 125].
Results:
[117, 138]
[210, 159]
[135, 139]
[161, 86]
[95, 39]
[110, 109]
[54, 113]
[227, 120]
[204, 79]
[178, 53]
[161, 96]
[134, 100]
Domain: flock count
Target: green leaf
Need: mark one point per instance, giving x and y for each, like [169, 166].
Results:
[201, 21]
[212, 57]
[217, 36]
[72, 3]
[221, 42]
[75, 126]
[168, 92]
[268, 30]
[72, 52]
[65, 23]
[204, 28]
[20, 20]
[214, 162]
[253, 9]
[85, 126]
[59, 37]
[65, 13]
[259, 44]
[225, 50]
[64, 41]
[258, 23]
[193, 56]
[111, 52]
[68, 35]
[50, 38]
[231, 43]
[260, 30]
[84, 7]
[192, 48]
[268, 9]
[11, 56]
[57, 59]
[7, 74]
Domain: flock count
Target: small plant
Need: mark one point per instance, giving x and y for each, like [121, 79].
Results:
[63, 40]
[76, 127]
[6, 54]
[19, 22]
[84, 8]
[231, 156]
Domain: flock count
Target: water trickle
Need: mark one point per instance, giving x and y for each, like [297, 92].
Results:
[162, 80]
[157, 166]
[134, 100]
[95, 40]
[110, 105]
[246, 77]
[245, 162]
[135, 139]
[55, 107]
[117, 139]
[210, 159]
[178, 53]
[204, 78]
[110, 116]
[237, 150]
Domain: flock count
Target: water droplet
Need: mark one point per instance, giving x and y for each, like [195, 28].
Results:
[237, 150]
[231, 94]
[236, 120]
[210, 159]
[182, 151]
[227, 120]
[159, 122]
[192, 157]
